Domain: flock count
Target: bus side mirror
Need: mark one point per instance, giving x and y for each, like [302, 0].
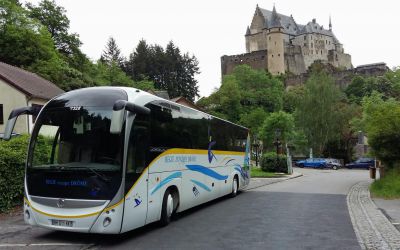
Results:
[117, 118]
[12, 119]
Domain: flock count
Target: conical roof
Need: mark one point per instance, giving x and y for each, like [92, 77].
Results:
[275, 20]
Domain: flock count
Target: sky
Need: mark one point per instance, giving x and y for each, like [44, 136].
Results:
[369, 30]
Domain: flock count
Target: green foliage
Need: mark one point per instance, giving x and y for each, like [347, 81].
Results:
[12, 160]
[388, 85]
[259, 173]
[270, 162]
[282, 121]
[253, 120]
[23, 41]
[170, 69]
[381, 121]
[111, 74]
[291, 98]
[12, 163]
[317, 112]
[111, 56]
[242, 93]
[387, 187]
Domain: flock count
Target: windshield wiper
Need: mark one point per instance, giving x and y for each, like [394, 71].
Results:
[102, 177]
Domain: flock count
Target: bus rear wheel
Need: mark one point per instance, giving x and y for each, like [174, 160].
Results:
[235, 186]
[167, 208]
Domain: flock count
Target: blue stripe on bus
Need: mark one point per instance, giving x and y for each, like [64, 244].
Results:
[202, 185]
[207, 171]
[166, 180]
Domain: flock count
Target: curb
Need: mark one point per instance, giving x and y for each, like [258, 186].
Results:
[372, 228]
[269, 181]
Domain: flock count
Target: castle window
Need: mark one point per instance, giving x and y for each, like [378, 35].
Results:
[326, 41]
[272, 56]
[311, 45]
[270, 38]
[305, 44]
[321, 52]
[279, 54]
[304, 38]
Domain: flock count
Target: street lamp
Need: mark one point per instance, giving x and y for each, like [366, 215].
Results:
[277, 144]
[256, 145]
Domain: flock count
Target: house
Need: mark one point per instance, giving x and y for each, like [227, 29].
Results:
[21, 88]
[181, 100]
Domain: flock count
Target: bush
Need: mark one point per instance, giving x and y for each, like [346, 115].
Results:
[12, 162]
[270, 162]
[389, 186]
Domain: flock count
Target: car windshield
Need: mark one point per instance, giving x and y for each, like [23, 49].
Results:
[73, 152]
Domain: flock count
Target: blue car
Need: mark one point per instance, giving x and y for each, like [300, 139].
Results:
[362, 163]
[312, 163]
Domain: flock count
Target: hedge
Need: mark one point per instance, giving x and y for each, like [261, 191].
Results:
[12, 167]
[270, 162]
[12, 162]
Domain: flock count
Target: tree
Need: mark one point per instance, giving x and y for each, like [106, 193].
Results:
[291, 98]
[253, 120]
[54, 18]
[169, 69]
[381, 120]
[282, 121]
[316, 112]
[23, 41]
[112, 54]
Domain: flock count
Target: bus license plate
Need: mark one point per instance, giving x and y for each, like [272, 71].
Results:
[62, 223]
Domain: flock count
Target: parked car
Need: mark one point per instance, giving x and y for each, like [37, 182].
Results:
[333, 163]
[362, 163]
[312, 163]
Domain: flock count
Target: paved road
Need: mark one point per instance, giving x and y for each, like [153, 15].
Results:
[309, 212]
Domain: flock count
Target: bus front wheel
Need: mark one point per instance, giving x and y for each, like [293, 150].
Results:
[167, 208]
[235, 186]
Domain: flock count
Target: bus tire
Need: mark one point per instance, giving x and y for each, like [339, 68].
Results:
[167, 208]
[235, 186]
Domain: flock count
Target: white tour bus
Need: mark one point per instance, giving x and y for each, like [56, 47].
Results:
[112, 159]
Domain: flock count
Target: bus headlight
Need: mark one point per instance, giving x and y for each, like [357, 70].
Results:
[107, 221]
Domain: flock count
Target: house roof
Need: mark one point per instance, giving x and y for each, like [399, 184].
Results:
[29, 83]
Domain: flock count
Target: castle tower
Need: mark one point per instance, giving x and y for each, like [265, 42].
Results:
[276, 50]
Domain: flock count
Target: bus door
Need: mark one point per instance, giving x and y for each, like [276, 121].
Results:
[136, 175]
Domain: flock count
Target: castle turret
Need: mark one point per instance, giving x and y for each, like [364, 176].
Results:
[275, 40]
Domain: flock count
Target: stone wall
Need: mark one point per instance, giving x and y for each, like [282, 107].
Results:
[342, 77]
[256, 60]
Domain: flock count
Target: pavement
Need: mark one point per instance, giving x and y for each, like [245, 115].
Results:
[323, 209]
[376, 221]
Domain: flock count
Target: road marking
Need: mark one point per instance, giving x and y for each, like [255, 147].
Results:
[41, 244]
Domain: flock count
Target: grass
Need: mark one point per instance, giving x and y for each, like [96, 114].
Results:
[258, 172]
[387, 187]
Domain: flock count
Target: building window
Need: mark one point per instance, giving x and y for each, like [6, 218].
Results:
[279, 54]
[34, 116]
[304, 38]
[270, 38]
[312, 45]
[1, 114]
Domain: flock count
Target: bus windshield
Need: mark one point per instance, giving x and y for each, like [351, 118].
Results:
[73, 154]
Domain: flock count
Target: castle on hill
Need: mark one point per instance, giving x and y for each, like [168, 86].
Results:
[277, 43]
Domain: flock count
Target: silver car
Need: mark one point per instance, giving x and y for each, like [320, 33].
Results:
[333, 163]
